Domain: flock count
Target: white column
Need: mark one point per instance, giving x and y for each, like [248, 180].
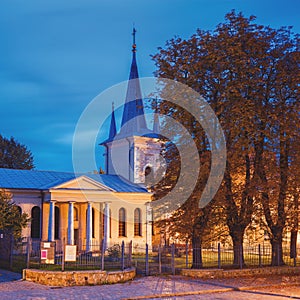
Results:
[51, 223]
[149, 224]
[89, 224]
[106, 225]
[71, 223]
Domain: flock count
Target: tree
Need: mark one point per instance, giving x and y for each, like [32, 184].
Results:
[248, 73]
[277, 148]
[11, 220]
[14, 155]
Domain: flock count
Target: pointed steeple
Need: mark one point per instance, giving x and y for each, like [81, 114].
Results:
[113, 127]
[133, 119]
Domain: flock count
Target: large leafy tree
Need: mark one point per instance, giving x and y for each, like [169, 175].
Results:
[14, 155]
[11, 219]
[248, 73]
[277, 144]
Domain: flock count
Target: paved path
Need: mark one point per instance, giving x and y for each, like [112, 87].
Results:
[6, 276]
[161, 287]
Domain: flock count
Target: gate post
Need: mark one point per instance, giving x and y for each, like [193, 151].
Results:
[28, 252]
[259, 255]
[186, 255]
[123, 256]
[147, 260]
[102, 254]
[130, 254]
[159, 259]
[11, 251]
[173, 258]
[219, 255]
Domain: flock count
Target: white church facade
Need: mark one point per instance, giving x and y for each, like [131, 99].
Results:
[85, 209]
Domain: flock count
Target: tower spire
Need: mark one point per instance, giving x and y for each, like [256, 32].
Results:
[133, 119]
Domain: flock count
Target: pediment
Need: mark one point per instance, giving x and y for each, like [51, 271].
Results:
[82, 183]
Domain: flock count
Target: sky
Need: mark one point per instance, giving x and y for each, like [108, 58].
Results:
[57, 56]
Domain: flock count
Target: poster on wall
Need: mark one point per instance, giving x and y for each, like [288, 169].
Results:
[70, 253]
[47, 252]
[44, 254]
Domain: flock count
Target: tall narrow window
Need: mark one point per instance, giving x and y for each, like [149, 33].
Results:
[19, 210]
[137, 222]
[57, 223]
[93, 223]
[122, 222]
[109, 220]
[75, 213]
[148, 176]
[35, 222]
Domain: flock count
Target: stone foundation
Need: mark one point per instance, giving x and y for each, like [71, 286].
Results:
[256, 272]
[72, 278]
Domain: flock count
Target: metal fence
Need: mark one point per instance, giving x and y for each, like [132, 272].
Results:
[27, 253]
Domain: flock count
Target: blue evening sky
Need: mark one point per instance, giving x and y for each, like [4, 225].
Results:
[57, 55]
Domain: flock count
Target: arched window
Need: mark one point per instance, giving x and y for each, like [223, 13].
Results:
[93, 223]
[122, 222]
[19, 210]
[75, 213]
[137, 222]
[103, 218]
[57, 223]
[35, 222]
[149, 176]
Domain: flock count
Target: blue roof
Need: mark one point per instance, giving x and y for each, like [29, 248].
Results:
[43, 180]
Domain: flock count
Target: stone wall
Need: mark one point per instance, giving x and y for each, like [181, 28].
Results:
[72, 278]
[219, 273]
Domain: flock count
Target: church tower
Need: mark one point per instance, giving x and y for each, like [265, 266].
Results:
[134, 152]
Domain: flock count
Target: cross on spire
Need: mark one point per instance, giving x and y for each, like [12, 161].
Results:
[133, 36]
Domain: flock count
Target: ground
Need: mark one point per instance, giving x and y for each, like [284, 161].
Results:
[160, 287]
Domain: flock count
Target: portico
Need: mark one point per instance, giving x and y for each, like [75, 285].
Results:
[84, 212]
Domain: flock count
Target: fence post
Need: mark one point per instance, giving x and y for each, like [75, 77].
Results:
[102, 254]
[241, 256]
[11, 251]
[123, 256]
[147, 260]
[173, 258]
[159, 259]
[63, 255]
[259, 255]
[130, 254]
[186, 255]
[278, 255]
[219, 255]
[28, 252]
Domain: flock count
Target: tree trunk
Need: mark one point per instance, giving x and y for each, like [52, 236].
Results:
[238, 251]
[293, 246]
[277, 254]
[295, 226]
[197, 252]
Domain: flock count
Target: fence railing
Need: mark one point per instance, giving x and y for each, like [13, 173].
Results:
[27, 253]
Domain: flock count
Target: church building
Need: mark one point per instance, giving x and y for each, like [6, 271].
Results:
[84, 209]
